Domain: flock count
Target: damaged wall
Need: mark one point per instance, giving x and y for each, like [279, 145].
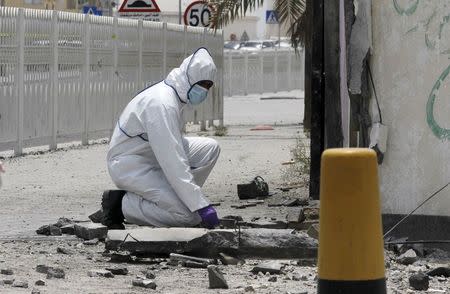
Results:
[411, 65]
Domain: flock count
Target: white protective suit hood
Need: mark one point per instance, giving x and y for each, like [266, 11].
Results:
[197, 67]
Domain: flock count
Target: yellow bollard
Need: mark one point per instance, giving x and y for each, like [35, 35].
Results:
[351, 256]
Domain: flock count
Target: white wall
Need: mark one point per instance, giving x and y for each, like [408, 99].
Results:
[411, 59]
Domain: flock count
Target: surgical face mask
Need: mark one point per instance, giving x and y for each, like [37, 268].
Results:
[197, 94]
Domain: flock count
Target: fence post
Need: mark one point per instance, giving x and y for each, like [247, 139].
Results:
[164, 49]
[115, 79]
[54, 81]
[246, 72]
[275, 70]
[261, 62]
[86, 81]
[20, 79]
[140, 46]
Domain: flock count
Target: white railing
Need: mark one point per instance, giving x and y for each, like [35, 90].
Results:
[67, 76]
[268, 70]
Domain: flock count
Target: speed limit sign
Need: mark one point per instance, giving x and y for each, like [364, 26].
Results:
[197, 14]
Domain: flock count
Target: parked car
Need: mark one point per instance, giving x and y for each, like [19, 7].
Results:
[283, 44]
[232, 45]
[257, 45]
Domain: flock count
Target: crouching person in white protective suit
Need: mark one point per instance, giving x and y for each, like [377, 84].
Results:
[159, 171]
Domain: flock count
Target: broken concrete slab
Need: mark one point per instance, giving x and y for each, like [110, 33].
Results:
[216, 279]
[89, 231]
[266, 224]
[97, 216]
[303, 226]
[202, 242]
[313, 231]
[144, 284]
[68, 229]
[118, 270]
[271, 267]
[49, 230]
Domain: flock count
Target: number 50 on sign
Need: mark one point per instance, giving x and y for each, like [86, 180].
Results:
[198, 14]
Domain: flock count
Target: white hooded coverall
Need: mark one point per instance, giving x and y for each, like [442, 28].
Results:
[161, 170]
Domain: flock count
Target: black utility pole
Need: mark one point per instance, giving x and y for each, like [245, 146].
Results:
[322, 82]
[314, 86]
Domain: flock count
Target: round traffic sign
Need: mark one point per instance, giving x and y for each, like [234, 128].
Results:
[197, 14]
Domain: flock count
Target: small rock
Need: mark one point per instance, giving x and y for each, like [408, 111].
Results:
[89, 231]
[310, 262]
[144, 283]
[64, 251]
[100, 273]
[419, 249]
[249, 289]
[44, 230]
[409, 257]
[440, 271]
[91, 242]
[7, 271]
[41, 268]
[68, 229]
[216, 279]
[20, 284]
[272, 279]
[230, 260]
[35, 291]
[55, 231]
[118, 270]
[97, 216]
[40, 283]
[7, 282]
[55, 273]
[271, 267]
[419, 281]
[193, 264]
[63, 221]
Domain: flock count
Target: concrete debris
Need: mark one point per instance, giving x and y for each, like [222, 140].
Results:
[252, 242]
[271, 267]
[295, 218]
[68, 229]
[244, 205]
[284, 202]
[302, 226]
[89, 231]
[6, 271]
[149, 274]
[100, 273]
[144, 284]
[407, 258]
[55, 273]
[312, 213]
[121, 258]
[63, 221]
[97, 216]
[49, 230]
[216, 279]
[419, 281]
[63, 250]
[35, 291]
[118, 270]
[419, 249]
[234, 217]
[440, 272]
[272, 279]
[20, 284]
[230, 260]
[91, 242]
[313, 231]
[40, 283]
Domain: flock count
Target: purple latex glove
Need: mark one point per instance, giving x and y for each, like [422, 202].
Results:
[209, 216]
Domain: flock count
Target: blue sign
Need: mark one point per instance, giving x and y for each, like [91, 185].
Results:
[91, 10]
[271, 17]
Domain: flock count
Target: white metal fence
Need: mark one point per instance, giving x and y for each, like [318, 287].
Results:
[268, 70]
[67, 76]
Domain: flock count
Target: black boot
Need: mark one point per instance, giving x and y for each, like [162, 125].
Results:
[112, 209]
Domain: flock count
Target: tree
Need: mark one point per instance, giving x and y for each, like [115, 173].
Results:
[290, 13]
